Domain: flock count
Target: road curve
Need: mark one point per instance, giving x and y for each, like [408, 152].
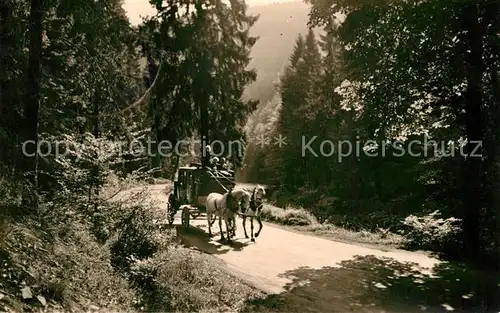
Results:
[348, 275]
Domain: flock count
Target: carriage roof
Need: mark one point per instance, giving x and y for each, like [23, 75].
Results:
[188, 168]
[209, 172]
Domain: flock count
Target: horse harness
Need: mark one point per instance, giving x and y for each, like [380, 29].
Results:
[228, 201]
[255, 205]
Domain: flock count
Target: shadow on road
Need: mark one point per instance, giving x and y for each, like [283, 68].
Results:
[197, 237]
[372, 284]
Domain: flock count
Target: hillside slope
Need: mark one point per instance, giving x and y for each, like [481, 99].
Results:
[277, 28]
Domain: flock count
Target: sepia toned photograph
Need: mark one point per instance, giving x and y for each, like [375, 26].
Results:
[245, 156]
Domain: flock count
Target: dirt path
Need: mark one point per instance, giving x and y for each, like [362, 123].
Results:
[328, 276]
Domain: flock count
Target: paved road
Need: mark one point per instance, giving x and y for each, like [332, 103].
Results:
[322, 274]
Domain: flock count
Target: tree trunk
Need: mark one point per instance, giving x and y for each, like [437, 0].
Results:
[203, 78]
[95, 186]
[493, 158]
[97, 128]
[493, 211]
[474, 128]
[8, 114]
[155, 111]
[32, 101]
[204, 128]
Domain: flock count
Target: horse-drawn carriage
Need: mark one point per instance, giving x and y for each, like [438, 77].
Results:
[192, 184]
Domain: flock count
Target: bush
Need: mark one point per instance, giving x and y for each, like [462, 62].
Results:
[289, 216]
[431, 232]
[183, 280]
[304, 220]
[136, 236]
[72, 271]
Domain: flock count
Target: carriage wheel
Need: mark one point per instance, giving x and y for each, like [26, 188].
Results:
[171, 210]
[185, 217]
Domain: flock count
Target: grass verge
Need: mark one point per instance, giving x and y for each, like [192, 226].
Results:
[116, 260]
[60, 268]
[192, 281]
[300, 219]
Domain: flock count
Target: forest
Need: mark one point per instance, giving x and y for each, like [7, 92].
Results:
[411, 87]
[392, 77]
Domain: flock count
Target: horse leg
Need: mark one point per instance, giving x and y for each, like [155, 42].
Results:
[210, 223]
[251, 229]
[220, 227]
[214, 218]
[244, 227]
[228, 230]
[229, 226]
[233, 229]
[260, 226]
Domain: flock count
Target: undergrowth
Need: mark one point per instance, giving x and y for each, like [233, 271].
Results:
[429, 232]
[108, 255]
[432, 232]
[290, 215]
[373, 221]
[301, 219]
[58, 267]
[194, 282]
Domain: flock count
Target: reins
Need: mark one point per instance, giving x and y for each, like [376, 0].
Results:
[252, 204]
[227, 205]
[253, 201]
[223, 187]
[221, 184]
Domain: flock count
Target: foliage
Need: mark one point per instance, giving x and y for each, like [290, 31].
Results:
[288, 216]
[262, 124]
[60, 267]
[394, 72]
[182, 280]
[103, 68]
[410, 79]
[302, 220]
[204, 54]
[71, 78]
[136, 238]
[432, 232]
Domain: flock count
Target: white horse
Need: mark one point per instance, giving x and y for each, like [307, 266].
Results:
[225, 206]
[256, 203]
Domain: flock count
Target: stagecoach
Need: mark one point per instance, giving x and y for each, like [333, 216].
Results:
[192, 185]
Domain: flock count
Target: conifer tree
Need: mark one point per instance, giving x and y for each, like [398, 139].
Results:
[208, 52]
